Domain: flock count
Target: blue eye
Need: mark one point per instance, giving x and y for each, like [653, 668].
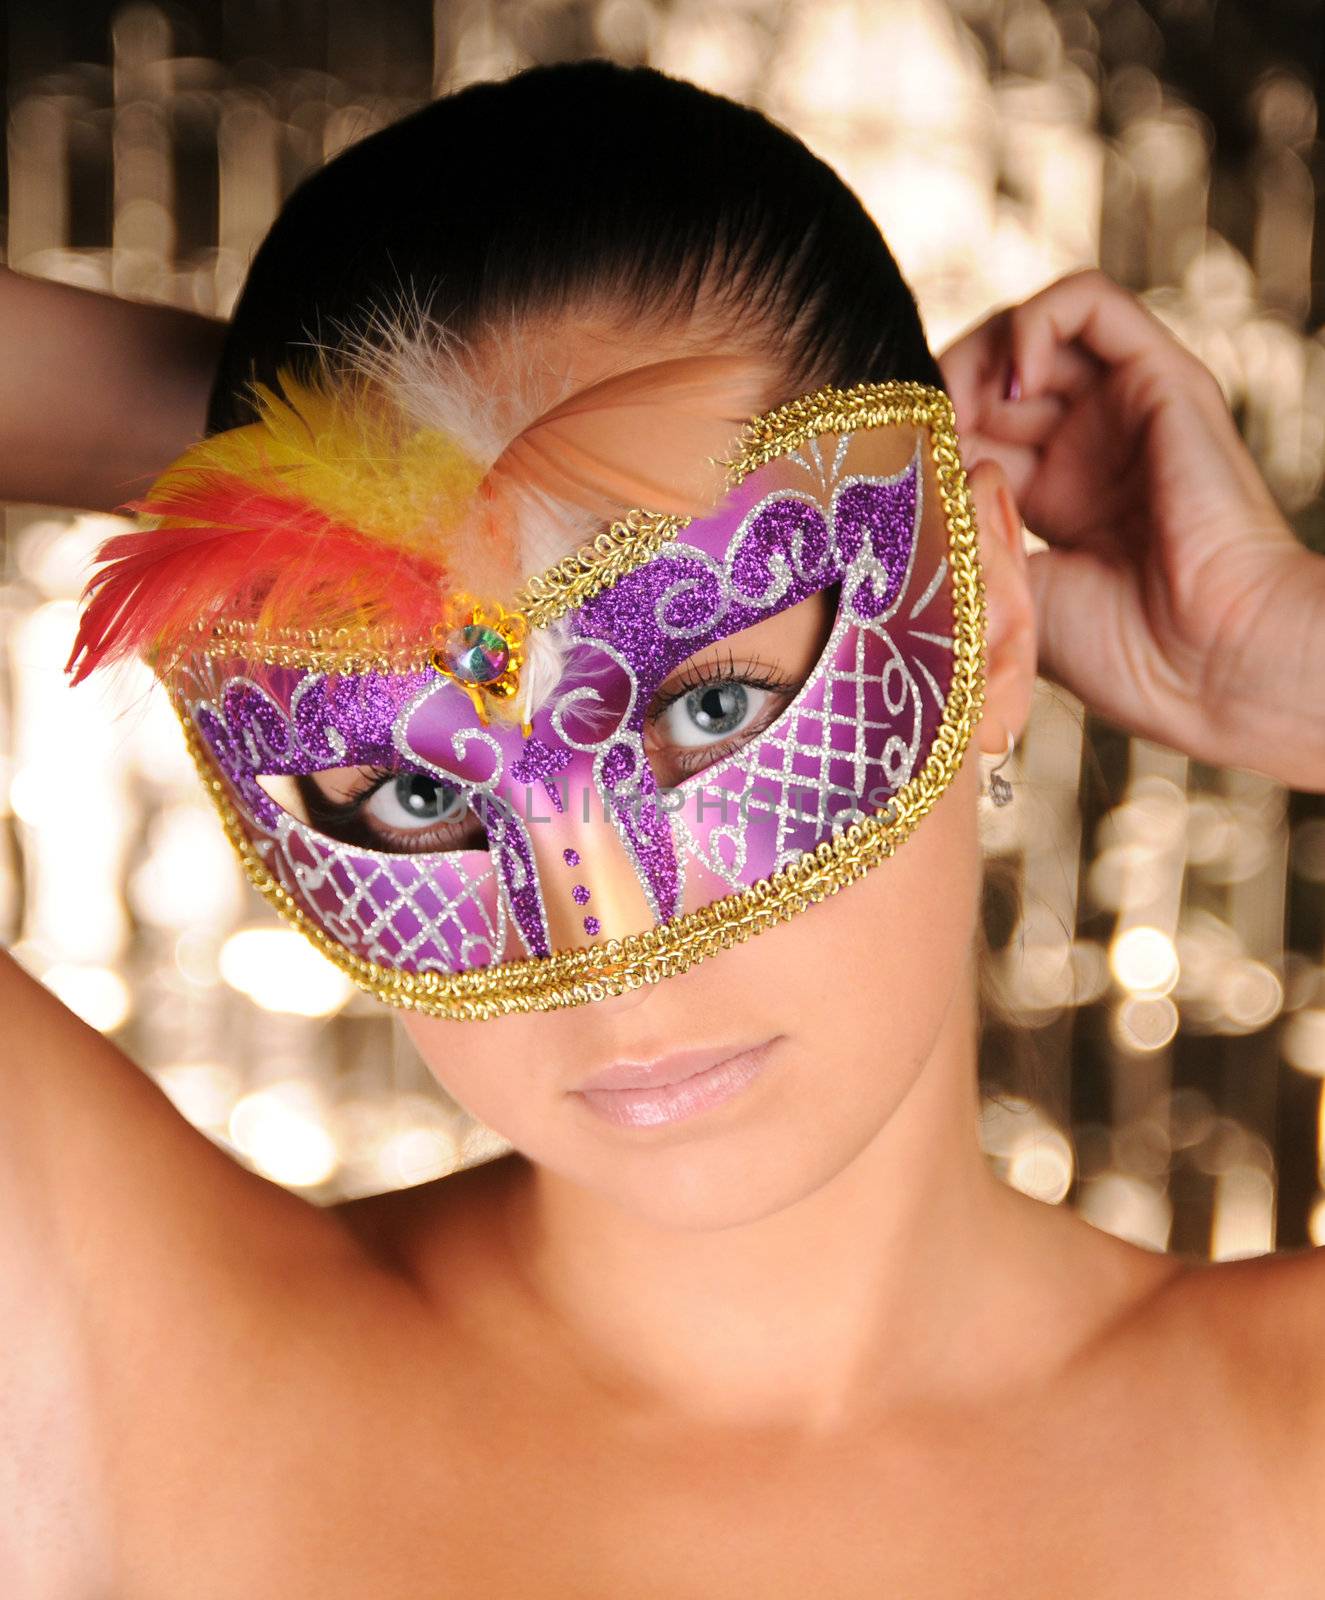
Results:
[383, 810]
[712, 711]
[719, 709]
[415, 798]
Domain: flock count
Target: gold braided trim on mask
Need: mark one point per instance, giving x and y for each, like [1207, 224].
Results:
[628, 543]
[575, 977]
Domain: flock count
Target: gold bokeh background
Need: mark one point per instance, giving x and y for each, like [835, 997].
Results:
[1155, 1047]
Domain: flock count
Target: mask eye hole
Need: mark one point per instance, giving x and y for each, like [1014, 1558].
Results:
[727, 694]
[376, 808]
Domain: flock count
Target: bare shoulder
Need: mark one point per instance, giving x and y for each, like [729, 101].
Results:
[1256, 1327]
[1266, 1310]
[130, 1245]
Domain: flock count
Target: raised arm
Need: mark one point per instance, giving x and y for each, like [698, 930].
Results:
[1173, 597]
[97, 394]
[119, 1222]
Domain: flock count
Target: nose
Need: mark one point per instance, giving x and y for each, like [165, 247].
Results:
[591, 892]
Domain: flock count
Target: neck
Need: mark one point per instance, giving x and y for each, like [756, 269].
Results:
[906, 1272]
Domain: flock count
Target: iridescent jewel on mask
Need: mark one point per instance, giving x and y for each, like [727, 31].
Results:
[482, 651]
[476, 654]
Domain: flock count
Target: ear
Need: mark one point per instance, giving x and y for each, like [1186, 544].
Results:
[1010, 653]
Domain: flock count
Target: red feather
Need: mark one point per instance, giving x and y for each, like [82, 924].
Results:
[228, 550]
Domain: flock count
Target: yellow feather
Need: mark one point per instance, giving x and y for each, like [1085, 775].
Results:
[351, 457]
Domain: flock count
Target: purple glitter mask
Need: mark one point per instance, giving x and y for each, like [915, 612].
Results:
[666, 801]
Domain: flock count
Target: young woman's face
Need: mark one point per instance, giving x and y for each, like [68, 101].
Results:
[844, 1002]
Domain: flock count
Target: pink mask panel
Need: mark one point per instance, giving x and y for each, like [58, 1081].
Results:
[583, 869]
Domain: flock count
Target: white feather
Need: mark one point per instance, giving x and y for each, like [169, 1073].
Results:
[433, 378]
[485, 401]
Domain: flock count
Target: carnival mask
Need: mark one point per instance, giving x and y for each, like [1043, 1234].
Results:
[477, 805]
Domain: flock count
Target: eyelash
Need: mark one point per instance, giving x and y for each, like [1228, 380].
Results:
[755, 673]
[709, 672]
[326, 813]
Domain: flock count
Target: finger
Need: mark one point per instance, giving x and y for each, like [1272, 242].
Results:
[1066, 374]
[1089, 310]
[1030, 422]
[1086, 308]
[1069, 590]
[1017, 461]
[1127, 338]
[974, 368]
[989, 392]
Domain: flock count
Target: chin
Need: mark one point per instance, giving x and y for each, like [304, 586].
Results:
[764, 1151]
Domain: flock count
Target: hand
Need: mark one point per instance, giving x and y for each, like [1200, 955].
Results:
[1174, 599]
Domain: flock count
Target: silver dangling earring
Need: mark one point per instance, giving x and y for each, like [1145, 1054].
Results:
[998, 788]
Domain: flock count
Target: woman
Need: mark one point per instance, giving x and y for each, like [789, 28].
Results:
[795, 1337]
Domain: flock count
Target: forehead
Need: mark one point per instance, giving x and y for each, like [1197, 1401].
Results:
[593, 338]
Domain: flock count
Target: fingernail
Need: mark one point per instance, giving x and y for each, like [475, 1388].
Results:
[1013, 390]
[1011, 510]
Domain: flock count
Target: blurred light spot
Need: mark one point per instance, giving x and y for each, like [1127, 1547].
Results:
[1154, 815]
[1316, 1221]
[1041, 1166]
[1249, 846]
[1205, 947]
[624, 28]
[1243, 1222]
[361, 1124]
[1142, 1147]
[188, 877]
[1191, 1117]
[49, 632]
[1302, 1041]
[481, 1143]
[1129, 1208]
[1229, 1146]
[415, 1155]
[1107, 876]
[1211, 832]
[1044, 976]
[1250, 993]
[281, 971]
[54, 554]
[155, 744]
[1004, 1122]
[1144, 1024]
[1285, 108]
[1144, 960]
[281, 1132]
[197, 958]
[47, 795]
[98, 995]
[203, 1091]
[1304, 980]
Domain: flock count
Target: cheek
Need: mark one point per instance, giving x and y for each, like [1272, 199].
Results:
[864, 982]
[488, 1068]
[875, 965]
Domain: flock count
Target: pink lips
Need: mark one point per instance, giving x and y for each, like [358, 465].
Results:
[644, 1094]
